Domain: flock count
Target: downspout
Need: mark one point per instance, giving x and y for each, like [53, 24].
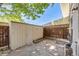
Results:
[76, 47]
[70, 23]
[78, 33]
[76, 42]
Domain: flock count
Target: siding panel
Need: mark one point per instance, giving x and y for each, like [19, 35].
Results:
[22, 34]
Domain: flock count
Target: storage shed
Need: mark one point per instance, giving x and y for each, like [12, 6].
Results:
[19, 34]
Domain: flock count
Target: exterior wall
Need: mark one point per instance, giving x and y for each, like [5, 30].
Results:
[37, 32]
[74, 28]
[4, 24]
[61, 21]
[64, 9]
[23, 34]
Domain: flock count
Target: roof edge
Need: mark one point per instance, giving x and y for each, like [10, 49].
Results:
[26, 23]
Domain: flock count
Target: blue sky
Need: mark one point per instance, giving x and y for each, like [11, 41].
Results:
[50, 14]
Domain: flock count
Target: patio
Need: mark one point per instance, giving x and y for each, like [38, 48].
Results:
[45, 48]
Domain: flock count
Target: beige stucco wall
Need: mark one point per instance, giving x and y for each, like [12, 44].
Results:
[64, 9]
[61, 21]
[23, 34]
[4, 24]
[37, 32]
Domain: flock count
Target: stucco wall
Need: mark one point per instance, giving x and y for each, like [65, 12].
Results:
[23, 34]
[4, 24]
[64, 20]
[37, 32]
[64, 9]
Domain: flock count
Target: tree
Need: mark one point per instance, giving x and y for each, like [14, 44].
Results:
[29, 10]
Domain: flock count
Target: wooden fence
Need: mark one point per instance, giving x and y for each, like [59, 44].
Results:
[57, 31]
[4, 36]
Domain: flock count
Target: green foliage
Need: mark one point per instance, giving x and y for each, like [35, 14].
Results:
[31, 10]
[7, 18]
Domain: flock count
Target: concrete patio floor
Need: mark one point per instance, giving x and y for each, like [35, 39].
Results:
[44, 48]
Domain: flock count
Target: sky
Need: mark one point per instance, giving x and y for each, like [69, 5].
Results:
[50, 14]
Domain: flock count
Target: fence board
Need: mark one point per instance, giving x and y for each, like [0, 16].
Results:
[4, 36]
[57, 31]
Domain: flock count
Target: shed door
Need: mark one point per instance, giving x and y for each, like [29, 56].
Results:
[4, 36]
